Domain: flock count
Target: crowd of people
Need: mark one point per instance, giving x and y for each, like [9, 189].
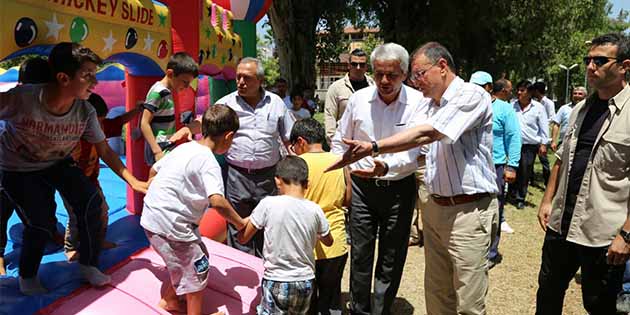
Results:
[417, 156]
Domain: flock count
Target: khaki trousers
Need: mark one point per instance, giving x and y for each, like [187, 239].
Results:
[456, 241]
[423, 197]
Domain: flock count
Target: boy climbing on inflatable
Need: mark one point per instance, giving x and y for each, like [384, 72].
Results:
[158, 123]
[183, 184]
[44, 124]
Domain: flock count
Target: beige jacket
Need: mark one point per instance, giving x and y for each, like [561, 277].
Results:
[336, 99]
[604, 197]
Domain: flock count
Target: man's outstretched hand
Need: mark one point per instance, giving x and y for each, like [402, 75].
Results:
[356, 151]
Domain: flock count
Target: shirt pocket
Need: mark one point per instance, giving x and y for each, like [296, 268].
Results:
[271, 124]
[612, 156]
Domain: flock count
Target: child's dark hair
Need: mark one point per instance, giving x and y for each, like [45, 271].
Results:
[293, 170]
[183, 63]
[297, 92]
[34, 71]
[308, 129]
[68, 57]
[217, 120]
[99, 104]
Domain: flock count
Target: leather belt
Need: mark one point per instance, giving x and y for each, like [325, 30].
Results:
[251, 171]
[449, 201]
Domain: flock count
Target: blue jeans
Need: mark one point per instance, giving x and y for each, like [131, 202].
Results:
[33, 194]
[494, 247]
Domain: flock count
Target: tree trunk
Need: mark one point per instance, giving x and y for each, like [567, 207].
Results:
[293, 23]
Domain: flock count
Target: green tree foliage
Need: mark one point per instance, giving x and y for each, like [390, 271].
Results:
[264, 47]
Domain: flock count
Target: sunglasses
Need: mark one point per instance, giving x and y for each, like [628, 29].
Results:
[360, 64]
[598, 60]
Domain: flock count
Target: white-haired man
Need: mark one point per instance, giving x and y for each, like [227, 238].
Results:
[461, 215]
[381, 205]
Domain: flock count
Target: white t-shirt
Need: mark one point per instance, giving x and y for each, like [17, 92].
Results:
[301, 113]
[292, 226]
[178, 195]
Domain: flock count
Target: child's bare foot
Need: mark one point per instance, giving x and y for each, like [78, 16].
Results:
[173, 306]
[3, 272]
[108, 245]
[72, 255]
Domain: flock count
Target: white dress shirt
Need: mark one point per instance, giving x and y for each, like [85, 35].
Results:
[461, 163]
[257, 142]
[550, 107]
[368, 118]
[534, 122]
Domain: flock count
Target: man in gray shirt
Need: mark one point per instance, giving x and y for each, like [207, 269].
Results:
[265, 125]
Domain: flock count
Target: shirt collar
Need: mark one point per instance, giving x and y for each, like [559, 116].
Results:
[621, 98]
[266, 96]
[402, 96]
[451, 91]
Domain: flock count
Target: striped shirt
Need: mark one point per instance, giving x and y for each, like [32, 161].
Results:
[257, 142]
[368, 118]
[534, 122]
[461, 162]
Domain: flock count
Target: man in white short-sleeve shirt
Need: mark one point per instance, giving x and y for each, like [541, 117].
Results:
[461, 216]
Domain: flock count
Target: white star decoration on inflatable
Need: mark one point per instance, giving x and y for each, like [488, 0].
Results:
[109, 42]
[53, 27]
[148, 42]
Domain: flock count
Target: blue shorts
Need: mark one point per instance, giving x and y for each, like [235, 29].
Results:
[285, 297]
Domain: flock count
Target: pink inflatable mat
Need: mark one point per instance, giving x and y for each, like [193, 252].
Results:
[233, 286]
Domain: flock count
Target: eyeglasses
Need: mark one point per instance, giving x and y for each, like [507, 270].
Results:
[360, 64]
[598, 60]
[419, 74]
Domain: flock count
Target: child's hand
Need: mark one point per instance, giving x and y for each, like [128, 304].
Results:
[159, 155]
[183, 133]
[244, 224]
[139, 186]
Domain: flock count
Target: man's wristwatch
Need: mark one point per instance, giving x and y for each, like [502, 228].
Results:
[625, 235]
[374, 149]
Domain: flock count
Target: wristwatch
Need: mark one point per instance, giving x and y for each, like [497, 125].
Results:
[374, 149]
[625, 235]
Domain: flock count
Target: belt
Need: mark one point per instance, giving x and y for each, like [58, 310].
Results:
[252, 171]
[380, 182]
[446, 201]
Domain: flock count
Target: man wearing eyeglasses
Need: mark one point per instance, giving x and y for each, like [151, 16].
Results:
[462, 214]
[584, 210]
[383, 188]
[339, 92]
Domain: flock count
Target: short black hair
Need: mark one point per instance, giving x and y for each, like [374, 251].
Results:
[68, 58]
[293, 170]
[183, 63]
[499, 85]
[34, 71]
[99, 104]
[539, 86]
[434, 51]
[281, 80]
[308, 129]
[358, 52]
[616, 39]
[217, 120]
[297, 92]
[524, 84]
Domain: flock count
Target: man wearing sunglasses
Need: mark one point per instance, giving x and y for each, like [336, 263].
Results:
[339, 92]
[584, 210]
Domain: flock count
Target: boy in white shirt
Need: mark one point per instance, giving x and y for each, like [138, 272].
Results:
[292, 226]
[298, 109]
[183, 185]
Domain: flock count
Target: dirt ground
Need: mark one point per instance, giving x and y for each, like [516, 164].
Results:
[513, 283]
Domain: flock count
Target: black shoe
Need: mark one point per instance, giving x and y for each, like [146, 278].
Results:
[520, 205]
[495, 261]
